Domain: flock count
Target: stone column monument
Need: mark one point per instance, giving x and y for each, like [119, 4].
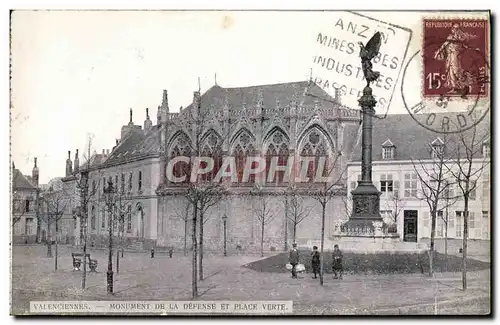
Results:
[365, 217]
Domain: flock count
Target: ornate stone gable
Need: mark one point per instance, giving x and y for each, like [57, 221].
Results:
[315, 122]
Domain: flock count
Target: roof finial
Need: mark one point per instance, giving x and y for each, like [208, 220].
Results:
[35, 162]
[147, 113]
[215, 78]
[311, 75]
[131, 115]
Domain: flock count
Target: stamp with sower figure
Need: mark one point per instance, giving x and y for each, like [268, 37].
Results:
[453, 58]
[453, 63]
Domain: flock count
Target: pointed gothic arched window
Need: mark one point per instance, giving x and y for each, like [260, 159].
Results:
[243, 148]
[276, 150]
[181, 147]
[211, 148]
[314, 146]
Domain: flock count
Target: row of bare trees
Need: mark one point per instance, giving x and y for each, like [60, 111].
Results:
[453, 175]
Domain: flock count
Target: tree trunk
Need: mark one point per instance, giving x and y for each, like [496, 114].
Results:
[49, 239]
[286, 224]
[194, 275]
[201, 245]
[185, 235]
[446, 240]
[121, 239]
[431, 246]
[294, 230]
[321, 261]
[84, 242]
[262, 239]
[118, 254]
[57, 235]
[464, 240]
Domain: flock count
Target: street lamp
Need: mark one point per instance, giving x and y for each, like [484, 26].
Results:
[109, 196]
[224, 221]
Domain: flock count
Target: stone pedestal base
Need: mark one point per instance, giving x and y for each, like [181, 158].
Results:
[371, 244]
[365, 211]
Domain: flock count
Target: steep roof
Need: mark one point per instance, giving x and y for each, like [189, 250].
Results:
[135, 145]
[95, 160]
[411, 140]
[284, 93]
[20, 181]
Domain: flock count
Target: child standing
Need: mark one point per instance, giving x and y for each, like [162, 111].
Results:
[315, 262]
[337, 262]
[294, 260]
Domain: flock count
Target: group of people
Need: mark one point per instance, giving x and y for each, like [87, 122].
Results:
[316, 261]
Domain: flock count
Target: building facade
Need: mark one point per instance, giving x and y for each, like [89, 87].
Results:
[25, 193]
[407, 156]
[274, 122]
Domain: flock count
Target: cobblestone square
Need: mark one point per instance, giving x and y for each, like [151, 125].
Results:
[164, 278]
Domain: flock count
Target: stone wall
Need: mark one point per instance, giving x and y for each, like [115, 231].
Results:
[243, 226]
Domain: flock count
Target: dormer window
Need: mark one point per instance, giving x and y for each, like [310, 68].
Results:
[388, 150]
[437, 148]
[486, 149]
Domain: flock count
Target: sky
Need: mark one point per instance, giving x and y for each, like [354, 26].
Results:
[76, 74]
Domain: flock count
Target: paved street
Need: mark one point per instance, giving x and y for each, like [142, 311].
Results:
[162, 278]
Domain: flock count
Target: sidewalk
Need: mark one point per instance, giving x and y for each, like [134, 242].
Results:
[162, 278]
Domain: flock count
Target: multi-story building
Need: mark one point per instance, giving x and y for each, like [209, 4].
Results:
[25, 192]
[273, 122]
[406, 156]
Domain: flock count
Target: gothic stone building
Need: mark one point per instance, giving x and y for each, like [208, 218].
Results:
[269, 121]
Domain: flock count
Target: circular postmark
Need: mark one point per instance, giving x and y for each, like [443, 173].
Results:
[445, 85]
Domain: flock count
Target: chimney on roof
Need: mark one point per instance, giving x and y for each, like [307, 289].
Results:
[107, 152]
[158, 116]
[103, 151]
[126, 129]
[148, 124]
[77, 162]
[69, 165]
[34, 174]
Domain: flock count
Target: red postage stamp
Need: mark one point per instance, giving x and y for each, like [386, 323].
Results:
[455, 58]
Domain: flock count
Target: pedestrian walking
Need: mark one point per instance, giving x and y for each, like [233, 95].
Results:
[294, 260]
[337, 262]
[315, 261]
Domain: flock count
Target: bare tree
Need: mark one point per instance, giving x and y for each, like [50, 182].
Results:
[435, 179]
[296, 211]
[264, 211]
[201, 196]
[184, 214]
[86, 192]
[54, 203]
[121, 211]
[203, 192]
[449, 199]
[396, 204]
[18, 209]
[470, 161]
[323, 192]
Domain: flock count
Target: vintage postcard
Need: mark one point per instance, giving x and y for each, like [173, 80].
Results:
[250, 163]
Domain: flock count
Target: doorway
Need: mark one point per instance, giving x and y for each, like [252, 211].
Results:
[410, 226]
